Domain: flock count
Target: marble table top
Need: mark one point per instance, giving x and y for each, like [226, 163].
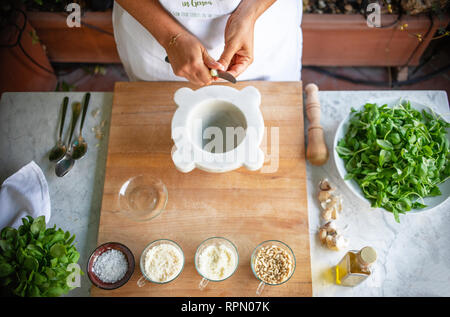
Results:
[413, 256]
[28, 130]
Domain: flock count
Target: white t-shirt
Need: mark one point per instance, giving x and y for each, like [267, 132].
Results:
[277, 39]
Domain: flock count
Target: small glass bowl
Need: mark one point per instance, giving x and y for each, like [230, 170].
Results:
[144, 277]
[279, 244]
[142, 198]
[100, 250]
[214, 241]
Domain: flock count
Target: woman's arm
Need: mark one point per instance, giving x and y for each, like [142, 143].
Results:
[238, 51]
[187, 55]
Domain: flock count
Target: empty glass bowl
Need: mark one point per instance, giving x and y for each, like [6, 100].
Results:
[142, 197]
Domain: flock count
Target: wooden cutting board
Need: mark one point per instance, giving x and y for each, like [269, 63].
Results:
[243, 206]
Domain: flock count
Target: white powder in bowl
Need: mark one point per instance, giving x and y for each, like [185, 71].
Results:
[217, 262]
[163, 262]
[110, 266]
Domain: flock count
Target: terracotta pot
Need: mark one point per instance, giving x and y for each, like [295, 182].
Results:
[93, 42]
[346, 40]
[18, 72]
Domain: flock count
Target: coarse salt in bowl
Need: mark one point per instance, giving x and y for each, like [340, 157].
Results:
[104, 274]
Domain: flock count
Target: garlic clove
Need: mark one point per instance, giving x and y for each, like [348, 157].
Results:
[324, 196]
[341, 242]
[327, 213]
[325, 185]
[336, 243]
[323, 235]
[331, 242]
[340, 204]
[330, 226]
[334, 213]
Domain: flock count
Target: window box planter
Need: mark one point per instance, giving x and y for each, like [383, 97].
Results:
[18, 71]
[346, 40]
[93, 42]
[328, 39]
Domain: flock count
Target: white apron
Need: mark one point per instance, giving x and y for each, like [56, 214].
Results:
[277, 39]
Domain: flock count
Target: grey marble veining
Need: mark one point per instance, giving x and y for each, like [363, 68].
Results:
[413, 255]
[29, 124]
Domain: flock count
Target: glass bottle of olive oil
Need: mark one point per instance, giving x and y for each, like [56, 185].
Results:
[355, 266]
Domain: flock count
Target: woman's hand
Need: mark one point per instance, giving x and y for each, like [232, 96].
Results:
[190, 59]
[238, 51]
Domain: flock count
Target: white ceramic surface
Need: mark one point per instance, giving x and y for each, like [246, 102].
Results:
[430, 202]
[217, 129]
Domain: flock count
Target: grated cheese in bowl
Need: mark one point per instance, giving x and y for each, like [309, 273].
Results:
[217, 262]
[163, 262]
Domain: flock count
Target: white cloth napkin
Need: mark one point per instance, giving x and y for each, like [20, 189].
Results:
[24, 193]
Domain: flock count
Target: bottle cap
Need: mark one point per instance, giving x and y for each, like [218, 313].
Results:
[368, 255]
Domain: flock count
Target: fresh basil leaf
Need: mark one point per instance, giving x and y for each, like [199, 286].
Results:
[38, 225]
[343, 150]
[57, 250]
[6, 269]
[34, 259]
[30, 264]
[396, 155]
[385, 145]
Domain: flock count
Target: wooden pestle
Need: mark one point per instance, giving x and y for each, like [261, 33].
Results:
[316, 151]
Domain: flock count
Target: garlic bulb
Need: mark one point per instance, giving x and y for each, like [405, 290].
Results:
[330, 203]
[329, 236]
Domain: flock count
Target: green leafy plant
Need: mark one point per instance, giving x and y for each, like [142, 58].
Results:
[397, 155]
[34, 259]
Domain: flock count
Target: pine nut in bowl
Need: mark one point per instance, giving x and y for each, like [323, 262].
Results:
[110, 265]
[162, 261]
[273, 263]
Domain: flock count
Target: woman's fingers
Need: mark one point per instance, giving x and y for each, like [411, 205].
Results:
[198, 74]
[189, 59]
[211, 62]
[239, 64]
[227, 55]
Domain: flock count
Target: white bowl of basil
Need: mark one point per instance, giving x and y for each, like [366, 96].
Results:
[395, 154]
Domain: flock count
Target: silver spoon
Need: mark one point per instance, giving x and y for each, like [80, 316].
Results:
[66, 163]
[60, 149]
[79, 147]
